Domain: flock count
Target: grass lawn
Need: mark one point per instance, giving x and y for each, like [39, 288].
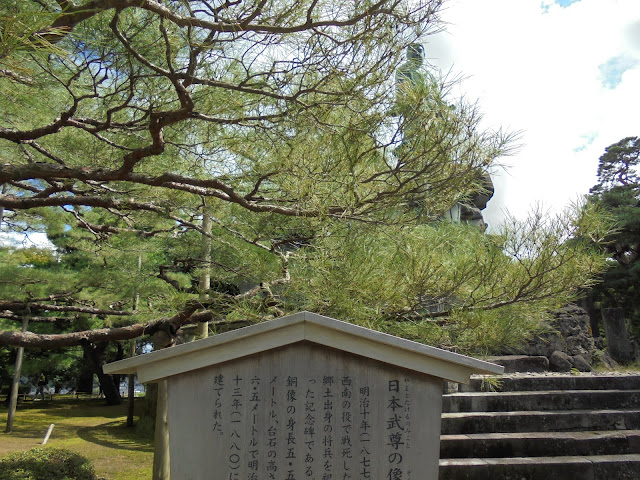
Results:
[85, 426]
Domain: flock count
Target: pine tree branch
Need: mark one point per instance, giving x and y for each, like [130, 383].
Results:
[16, 306]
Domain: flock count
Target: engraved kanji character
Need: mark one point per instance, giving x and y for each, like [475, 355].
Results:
[291, 423]
[394, 422]
[394, 474]
[394, 403]
[395, 440]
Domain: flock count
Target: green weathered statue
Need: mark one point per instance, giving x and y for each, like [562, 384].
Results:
[410, 76]
[410, 70]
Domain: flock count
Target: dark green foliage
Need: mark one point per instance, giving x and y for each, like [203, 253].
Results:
[6, 360]
[46, 464]
[618, 193]
[618, 165]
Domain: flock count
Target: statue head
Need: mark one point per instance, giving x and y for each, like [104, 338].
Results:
[415, 53]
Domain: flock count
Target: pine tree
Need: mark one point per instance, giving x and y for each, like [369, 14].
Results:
[618, 193]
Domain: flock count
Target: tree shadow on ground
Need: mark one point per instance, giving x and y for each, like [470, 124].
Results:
[115, 435]
[68, 406]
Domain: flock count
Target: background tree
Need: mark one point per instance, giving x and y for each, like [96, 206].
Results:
[61, 285]
[618, 193]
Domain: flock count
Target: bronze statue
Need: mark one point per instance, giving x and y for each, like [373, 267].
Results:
[410, 70]
[410, 75]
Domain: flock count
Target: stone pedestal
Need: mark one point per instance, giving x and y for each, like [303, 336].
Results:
[617, 335]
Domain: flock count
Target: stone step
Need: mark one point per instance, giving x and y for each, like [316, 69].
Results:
[506, 383]
[596, 467]
[540, 400]
[540, 444]
[540, 421]
[521, 363]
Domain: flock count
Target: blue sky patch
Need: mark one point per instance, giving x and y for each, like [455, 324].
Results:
[566, 3]
[587, 140]
[562, 3]
[612, 70]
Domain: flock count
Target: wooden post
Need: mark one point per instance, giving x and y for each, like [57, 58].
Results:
[161, 439]
[48, 434]
[132, 353]
[132, 388]
[205, 259]
[15, 385]
[4, 190]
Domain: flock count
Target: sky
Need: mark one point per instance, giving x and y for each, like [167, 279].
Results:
[564, 73]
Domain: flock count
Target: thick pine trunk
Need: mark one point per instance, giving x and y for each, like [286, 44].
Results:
[95, 355]
[84, 381]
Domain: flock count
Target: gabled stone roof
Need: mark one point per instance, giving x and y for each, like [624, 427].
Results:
[303, 327]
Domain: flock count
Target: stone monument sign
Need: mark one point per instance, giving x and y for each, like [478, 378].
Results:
[304, 397]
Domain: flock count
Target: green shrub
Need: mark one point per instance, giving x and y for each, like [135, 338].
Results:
[46, 464]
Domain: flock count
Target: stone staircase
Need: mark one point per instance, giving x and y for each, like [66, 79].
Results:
[542, 427]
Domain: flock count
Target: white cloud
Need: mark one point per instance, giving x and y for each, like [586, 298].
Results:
[536, 66]
[632, 35]
[612, 70]
[25, 240]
